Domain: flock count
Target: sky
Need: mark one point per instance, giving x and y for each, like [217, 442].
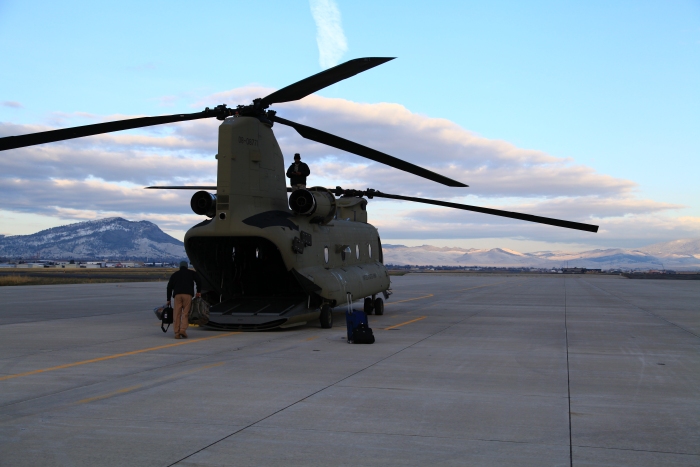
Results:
[585, 111]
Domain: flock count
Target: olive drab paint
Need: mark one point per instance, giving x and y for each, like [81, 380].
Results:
[250, 169]
[268, 261]
[252, 203]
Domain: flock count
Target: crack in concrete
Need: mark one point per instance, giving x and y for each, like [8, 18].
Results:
[568, 379]
[640, 308]
[636, 450]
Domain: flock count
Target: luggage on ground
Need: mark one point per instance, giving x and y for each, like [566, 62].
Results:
[199, 312]
[159, 311]
[355, 320]
[166, 317]
[363, 335]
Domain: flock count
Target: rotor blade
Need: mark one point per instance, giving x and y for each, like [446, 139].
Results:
[13, 142]
[346, 145]
[310, 85]
[495, 212]
[180, 188]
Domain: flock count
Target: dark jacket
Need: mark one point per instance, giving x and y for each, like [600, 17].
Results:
[181, 282]
[298, 179]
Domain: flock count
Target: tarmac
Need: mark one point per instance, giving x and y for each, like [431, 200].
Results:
[576, 370]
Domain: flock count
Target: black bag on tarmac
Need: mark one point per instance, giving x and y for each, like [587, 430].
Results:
[166, 317]
[363, 335]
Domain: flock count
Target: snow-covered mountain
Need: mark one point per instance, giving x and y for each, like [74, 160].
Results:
[687, 247]
[113, 238]
[678, 255]
[119, 239]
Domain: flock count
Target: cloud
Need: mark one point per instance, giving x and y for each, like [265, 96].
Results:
[119, 160]
[13, 104]
[619, 232]
[491, 167]
[329, 32]
[51, 196]
[581, 208]
[104, 175]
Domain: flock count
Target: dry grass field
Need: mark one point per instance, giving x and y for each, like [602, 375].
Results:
[12, 277]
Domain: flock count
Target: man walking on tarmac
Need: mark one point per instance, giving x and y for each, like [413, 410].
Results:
[181, 285]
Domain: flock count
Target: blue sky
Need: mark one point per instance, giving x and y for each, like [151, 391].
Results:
[613, 86]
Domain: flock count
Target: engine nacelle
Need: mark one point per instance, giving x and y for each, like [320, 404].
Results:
[203, 203]
[316, 202]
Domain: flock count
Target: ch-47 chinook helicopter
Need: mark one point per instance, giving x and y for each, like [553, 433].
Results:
[268, 260]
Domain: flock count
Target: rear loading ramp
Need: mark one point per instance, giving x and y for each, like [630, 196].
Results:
[260, 313]
[248, 284]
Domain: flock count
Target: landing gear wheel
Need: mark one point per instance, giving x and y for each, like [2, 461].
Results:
[326, 317]
[368, 306]
[379, 307]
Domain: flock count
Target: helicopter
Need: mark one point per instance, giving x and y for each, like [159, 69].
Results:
[272, 260]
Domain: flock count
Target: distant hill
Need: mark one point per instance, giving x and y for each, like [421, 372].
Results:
[119, 239]
[113, 238]
[677, 255]
[687, 246]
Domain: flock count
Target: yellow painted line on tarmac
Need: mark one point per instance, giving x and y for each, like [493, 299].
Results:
[133, 388]
[107, 396]
[407, 322]
[480, 286]
[409, 299]
[110, 357]
[312, 338]
[432, 295]
[189, 372]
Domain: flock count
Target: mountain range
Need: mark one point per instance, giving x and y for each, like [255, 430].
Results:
[119, 239]
[112, 238]
[681, 255]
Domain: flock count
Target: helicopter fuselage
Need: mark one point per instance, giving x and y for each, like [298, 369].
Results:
[265, 265]
[268, 261]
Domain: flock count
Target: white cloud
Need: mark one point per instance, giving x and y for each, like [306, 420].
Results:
[625, 223]
[491, 167]
[103, 175]
[12, 104]
[329, 32]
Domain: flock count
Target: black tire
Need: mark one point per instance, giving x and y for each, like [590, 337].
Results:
[368, 306]
[326, 317]
[379, 307]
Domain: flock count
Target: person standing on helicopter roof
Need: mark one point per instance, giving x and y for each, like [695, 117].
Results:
[181, 284]
[297, 173]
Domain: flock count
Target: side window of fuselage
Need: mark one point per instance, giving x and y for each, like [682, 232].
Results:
[380, 253]
[325, 254]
